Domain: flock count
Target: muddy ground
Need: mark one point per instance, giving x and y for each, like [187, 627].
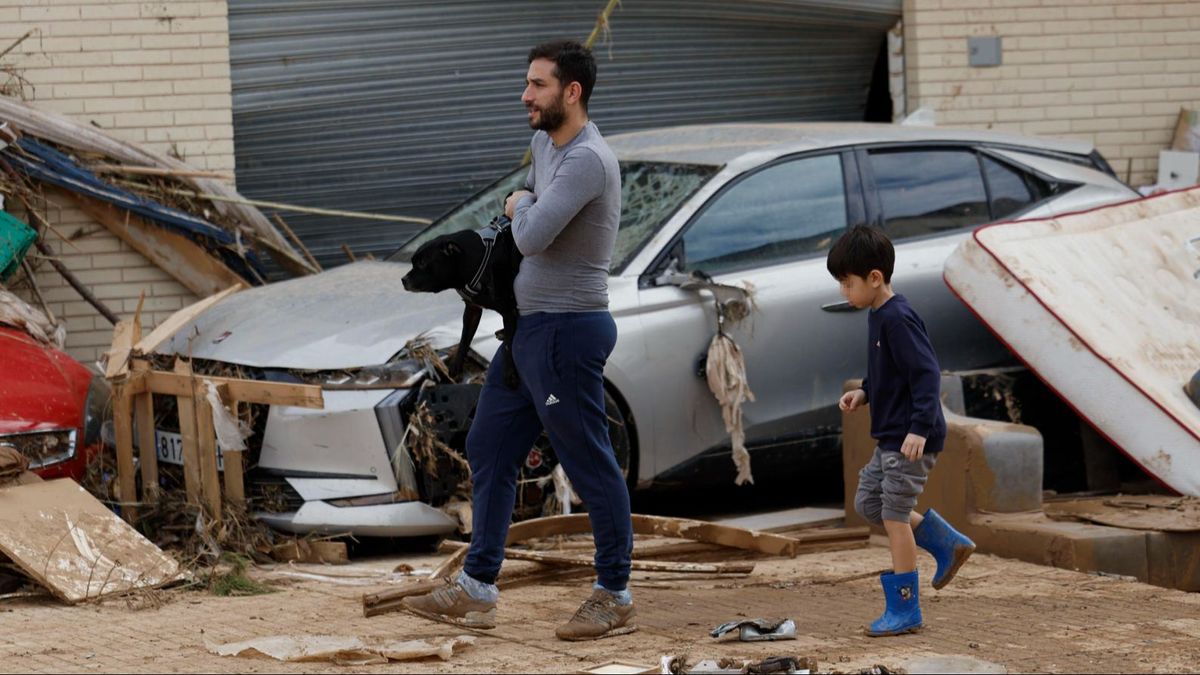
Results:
[1021, 616]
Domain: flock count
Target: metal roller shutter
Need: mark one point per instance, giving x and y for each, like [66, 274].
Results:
[406, 108]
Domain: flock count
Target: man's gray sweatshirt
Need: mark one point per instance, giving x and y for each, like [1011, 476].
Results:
[567, 231]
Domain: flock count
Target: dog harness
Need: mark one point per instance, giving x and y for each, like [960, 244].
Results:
[488, 235]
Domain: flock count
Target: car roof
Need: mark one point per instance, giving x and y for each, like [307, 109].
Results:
[720, 144]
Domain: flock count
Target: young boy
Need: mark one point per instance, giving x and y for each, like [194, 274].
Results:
[903, 386]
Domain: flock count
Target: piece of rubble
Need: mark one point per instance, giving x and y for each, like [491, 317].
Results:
[341, 649]
[311, 551]
[674, 665]
[758, 630]
[69, 542]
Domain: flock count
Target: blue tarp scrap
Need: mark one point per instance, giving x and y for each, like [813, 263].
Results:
[46, 164]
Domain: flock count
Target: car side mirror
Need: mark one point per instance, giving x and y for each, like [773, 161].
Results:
[672, 273]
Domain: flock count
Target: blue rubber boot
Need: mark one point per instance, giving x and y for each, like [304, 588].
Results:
[903, 613]
[949, 547]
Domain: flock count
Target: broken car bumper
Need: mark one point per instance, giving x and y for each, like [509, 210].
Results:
[406, 519]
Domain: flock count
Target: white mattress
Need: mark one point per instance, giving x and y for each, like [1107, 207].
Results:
[1104, 306]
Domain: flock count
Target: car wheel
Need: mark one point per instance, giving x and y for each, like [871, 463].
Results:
[535, 485]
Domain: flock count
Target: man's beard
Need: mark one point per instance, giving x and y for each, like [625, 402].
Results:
[550, 119]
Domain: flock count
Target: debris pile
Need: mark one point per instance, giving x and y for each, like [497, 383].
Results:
[701, 538]
[190, 223]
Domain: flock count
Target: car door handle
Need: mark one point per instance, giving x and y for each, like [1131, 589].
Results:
[843, 306]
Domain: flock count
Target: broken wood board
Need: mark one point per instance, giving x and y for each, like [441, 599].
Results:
[186, 261]
[118, 355]
[680, 528]
[1142, 512]
[188, 432]
[787, 520]
[122, 405]
[69, 542]
[180, 319]
[450, 564]
[242, 391]
[319, 552]
[342, 650]
[711, 551]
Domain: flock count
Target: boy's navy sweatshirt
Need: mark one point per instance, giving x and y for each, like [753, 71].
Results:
[904, 380]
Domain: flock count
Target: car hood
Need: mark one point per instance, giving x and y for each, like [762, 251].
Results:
[349, 317]
[40, 387]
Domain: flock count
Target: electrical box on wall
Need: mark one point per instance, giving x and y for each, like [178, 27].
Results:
[1178, 169]
[984, 51]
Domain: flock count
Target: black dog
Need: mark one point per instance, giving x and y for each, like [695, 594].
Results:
[481, 266]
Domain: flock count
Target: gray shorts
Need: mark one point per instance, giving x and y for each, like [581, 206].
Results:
[888, 486]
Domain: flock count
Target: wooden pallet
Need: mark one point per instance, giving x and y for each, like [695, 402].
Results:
[135, 383]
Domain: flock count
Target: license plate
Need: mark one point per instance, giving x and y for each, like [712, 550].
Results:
[170, 449]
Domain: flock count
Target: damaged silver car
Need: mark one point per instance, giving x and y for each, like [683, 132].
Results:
[757, 203]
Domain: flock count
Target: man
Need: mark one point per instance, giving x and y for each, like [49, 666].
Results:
[565, 224]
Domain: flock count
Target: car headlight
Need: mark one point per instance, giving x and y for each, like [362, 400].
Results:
[399, 374]
[96, 410]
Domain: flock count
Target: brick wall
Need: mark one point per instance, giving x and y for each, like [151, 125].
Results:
[1116, 73]
[153, 73]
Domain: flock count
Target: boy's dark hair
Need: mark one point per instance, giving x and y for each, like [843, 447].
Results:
[860, 250]
[572, 63]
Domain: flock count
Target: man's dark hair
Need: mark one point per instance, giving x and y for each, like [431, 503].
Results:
[862, 249]
[572, 63]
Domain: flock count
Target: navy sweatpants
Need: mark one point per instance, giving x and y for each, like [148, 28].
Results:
[560, 358]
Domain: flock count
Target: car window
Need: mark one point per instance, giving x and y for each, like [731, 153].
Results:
[779, 213]
[1011, 190]
[929, 191]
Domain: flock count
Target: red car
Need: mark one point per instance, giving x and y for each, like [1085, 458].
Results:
[52, 408]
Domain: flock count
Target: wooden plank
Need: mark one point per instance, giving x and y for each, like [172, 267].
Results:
[143, 411]
[187, 430]
[118, 354]
[375, 604]
[450, 565]
[159, 171]
[245, 391]
[694, 548]
[143, 415]
[206, 445]
[787, 520]
[316, 552]
[181, 318]
[188, 262]
[695, 530]
[69, 542]
[235, 481]
[123, 430]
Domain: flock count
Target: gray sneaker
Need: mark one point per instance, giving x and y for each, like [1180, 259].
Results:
[598, 617]
[453, 605]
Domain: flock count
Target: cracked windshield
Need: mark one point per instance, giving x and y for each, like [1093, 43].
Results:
[650, 193]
